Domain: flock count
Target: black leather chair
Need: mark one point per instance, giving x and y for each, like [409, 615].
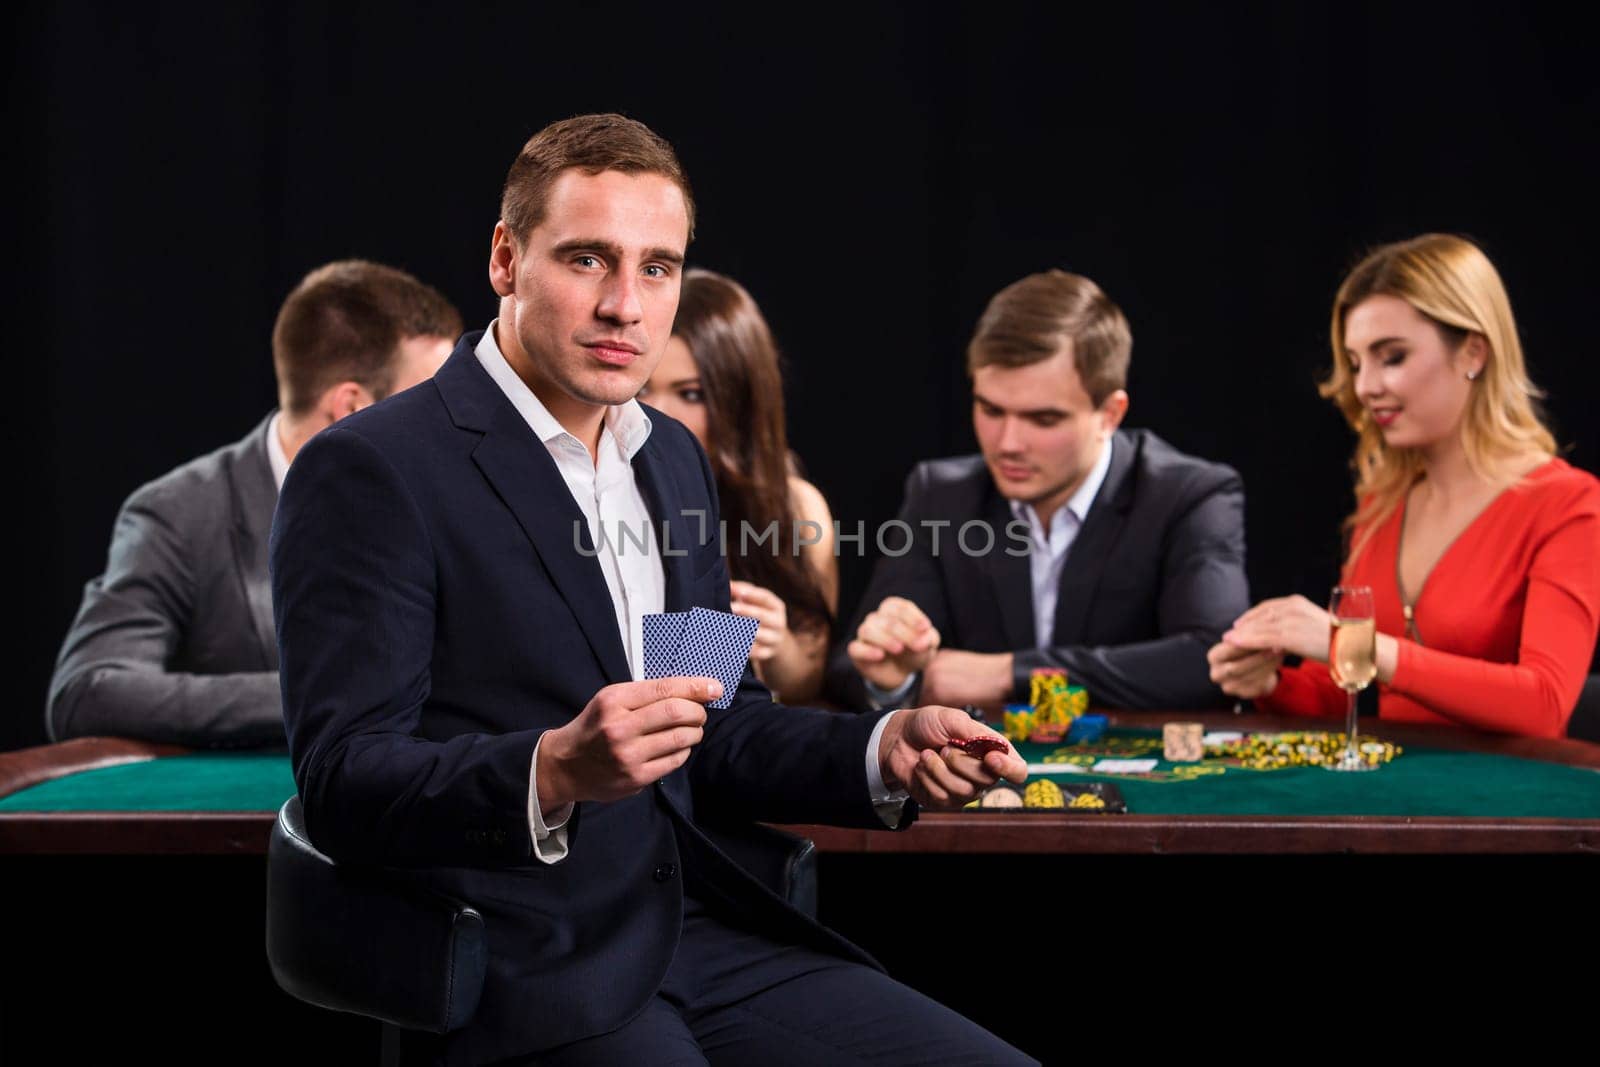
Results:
[1585, 722]
[372, 942]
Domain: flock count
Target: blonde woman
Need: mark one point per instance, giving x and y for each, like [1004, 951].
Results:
[1481, 547]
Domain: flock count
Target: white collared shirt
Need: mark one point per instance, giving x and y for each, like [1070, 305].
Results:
[1047, 549]
[618, 518]
[277, 458]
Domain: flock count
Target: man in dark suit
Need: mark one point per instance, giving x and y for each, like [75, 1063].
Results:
[1068, 543]
[459, 614]
[174, 642]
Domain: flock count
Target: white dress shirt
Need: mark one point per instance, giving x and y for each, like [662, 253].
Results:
[277, 458]
[1047, 549]
[606, 492]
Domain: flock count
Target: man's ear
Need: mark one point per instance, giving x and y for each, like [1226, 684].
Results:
[1114, 407]
[344, 398]
[503, 256]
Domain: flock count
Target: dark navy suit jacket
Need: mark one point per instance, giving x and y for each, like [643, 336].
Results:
[1152, 580]
[434, 616]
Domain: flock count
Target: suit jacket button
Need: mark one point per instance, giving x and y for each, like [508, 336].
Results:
[665, 871]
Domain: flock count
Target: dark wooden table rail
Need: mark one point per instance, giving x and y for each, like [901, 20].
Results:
[245, 833]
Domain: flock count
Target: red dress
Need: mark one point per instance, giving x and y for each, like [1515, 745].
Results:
[1506, 619]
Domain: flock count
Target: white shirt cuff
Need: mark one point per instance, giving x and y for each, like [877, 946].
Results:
[888, 803]
[549, 837]
[889, 698]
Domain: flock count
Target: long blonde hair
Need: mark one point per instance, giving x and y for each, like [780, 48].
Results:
[1450, 281]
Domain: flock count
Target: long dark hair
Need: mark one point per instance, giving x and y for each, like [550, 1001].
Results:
[742, 379]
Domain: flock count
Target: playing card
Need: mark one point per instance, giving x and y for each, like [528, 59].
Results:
[662, 635]
[716, 644]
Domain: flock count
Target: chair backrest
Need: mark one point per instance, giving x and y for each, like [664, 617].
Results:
[367, 940]
[1585, 721]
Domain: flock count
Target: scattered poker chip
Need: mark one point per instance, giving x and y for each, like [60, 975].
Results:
[979, 746]
[1275, 751]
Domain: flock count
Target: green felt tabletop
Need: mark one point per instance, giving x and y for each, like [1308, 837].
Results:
[211, 781]
[1419, 782]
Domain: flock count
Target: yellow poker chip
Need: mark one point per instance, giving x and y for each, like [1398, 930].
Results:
[1274, 751]
[1043, 793]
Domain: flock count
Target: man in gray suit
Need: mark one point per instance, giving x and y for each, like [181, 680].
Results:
[174, 642]
[1069, 544]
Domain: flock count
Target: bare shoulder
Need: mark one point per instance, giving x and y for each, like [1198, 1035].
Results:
[808, 502]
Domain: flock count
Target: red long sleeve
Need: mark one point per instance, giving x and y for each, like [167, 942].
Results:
[1507, 618]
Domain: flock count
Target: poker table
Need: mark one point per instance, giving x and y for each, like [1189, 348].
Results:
[1448, 791]
[134, 881]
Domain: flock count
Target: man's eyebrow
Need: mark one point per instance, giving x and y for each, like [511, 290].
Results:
[615, 251]
[1030, 413]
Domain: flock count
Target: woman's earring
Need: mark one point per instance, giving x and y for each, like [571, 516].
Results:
[1472, 375]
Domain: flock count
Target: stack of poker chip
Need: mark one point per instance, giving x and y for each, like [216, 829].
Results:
[1182, 742]
[1043, 793]
[1055, 704]
[1017, 721]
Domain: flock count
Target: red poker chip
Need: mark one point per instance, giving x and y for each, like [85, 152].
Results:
[980, 746]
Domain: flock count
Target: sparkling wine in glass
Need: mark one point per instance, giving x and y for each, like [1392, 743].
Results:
[1353, 661]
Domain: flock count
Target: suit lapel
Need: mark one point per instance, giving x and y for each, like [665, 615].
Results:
[255, 496]
[1085, 565]
[1010, 577]
[525, 477]
[665, 499]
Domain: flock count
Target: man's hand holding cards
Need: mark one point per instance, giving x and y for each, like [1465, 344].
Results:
[715, 644]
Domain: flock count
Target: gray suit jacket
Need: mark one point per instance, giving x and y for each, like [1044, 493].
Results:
[174, 642]
[1154, 577]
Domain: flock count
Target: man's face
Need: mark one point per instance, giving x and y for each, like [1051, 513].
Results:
[589, 297]
[1039, 431]
[419, 358]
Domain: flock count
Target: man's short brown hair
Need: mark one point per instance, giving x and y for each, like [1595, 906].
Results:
[1031, 320]
[591, 143]
[344, 323]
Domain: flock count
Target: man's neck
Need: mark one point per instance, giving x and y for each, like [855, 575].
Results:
[1046, 508]
[580, 418]
[294, 432]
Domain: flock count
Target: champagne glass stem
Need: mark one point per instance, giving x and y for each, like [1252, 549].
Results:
[1350, 749]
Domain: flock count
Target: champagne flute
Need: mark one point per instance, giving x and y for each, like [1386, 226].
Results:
[1352, 660]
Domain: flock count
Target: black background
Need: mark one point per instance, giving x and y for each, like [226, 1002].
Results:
[872, 173]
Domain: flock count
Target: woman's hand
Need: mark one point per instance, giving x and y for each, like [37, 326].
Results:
[1290, 625]
[754, 602]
